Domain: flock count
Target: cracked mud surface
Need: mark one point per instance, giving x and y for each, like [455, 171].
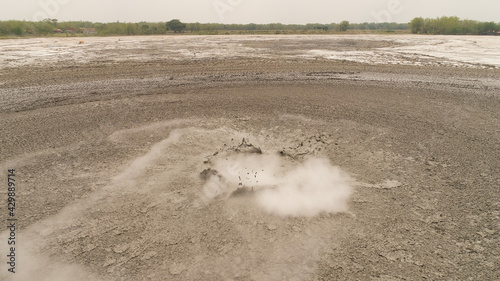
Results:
[108, 156]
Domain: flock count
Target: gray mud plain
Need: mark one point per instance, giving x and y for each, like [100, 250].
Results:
[108, 155]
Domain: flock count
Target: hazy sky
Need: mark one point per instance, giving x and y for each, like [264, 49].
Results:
[248, 11]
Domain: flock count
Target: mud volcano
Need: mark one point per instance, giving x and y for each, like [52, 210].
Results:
[274, 158]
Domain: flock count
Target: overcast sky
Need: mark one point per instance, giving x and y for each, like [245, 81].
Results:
[248, 11]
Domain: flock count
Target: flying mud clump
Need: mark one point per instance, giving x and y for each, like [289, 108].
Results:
[280, 185]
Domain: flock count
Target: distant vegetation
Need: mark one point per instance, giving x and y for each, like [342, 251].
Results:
[176, 26]
[452, 26]
[52, 27]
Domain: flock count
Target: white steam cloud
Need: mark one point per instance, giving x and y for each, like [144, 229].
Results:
[282, 187]
[308, 190]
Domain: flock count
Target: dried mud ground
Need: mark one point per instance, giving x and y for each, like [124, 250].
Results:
[108, 157]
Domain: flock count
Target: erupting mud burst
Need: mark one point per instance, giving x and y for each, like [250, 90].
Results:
[281, 185]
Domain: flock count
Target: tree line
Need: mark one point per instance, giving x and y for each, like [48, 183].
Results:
[452, 26]
[442, 25]
[48, 27]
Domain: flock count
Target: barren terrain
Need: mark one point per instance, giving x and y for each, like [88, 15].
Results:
[252, 158]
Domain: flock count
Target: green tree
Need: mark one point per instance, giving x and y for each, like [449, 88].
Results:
[143, 28]
[12, 27]
[470, 27]
[193, 27]
[251, 26]
[176, 25]
[276, 26]
[449, 25]
[344, 25]
[131, 29]
[487, 27]
[417, 25]
[18, 30]
[43, 27]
